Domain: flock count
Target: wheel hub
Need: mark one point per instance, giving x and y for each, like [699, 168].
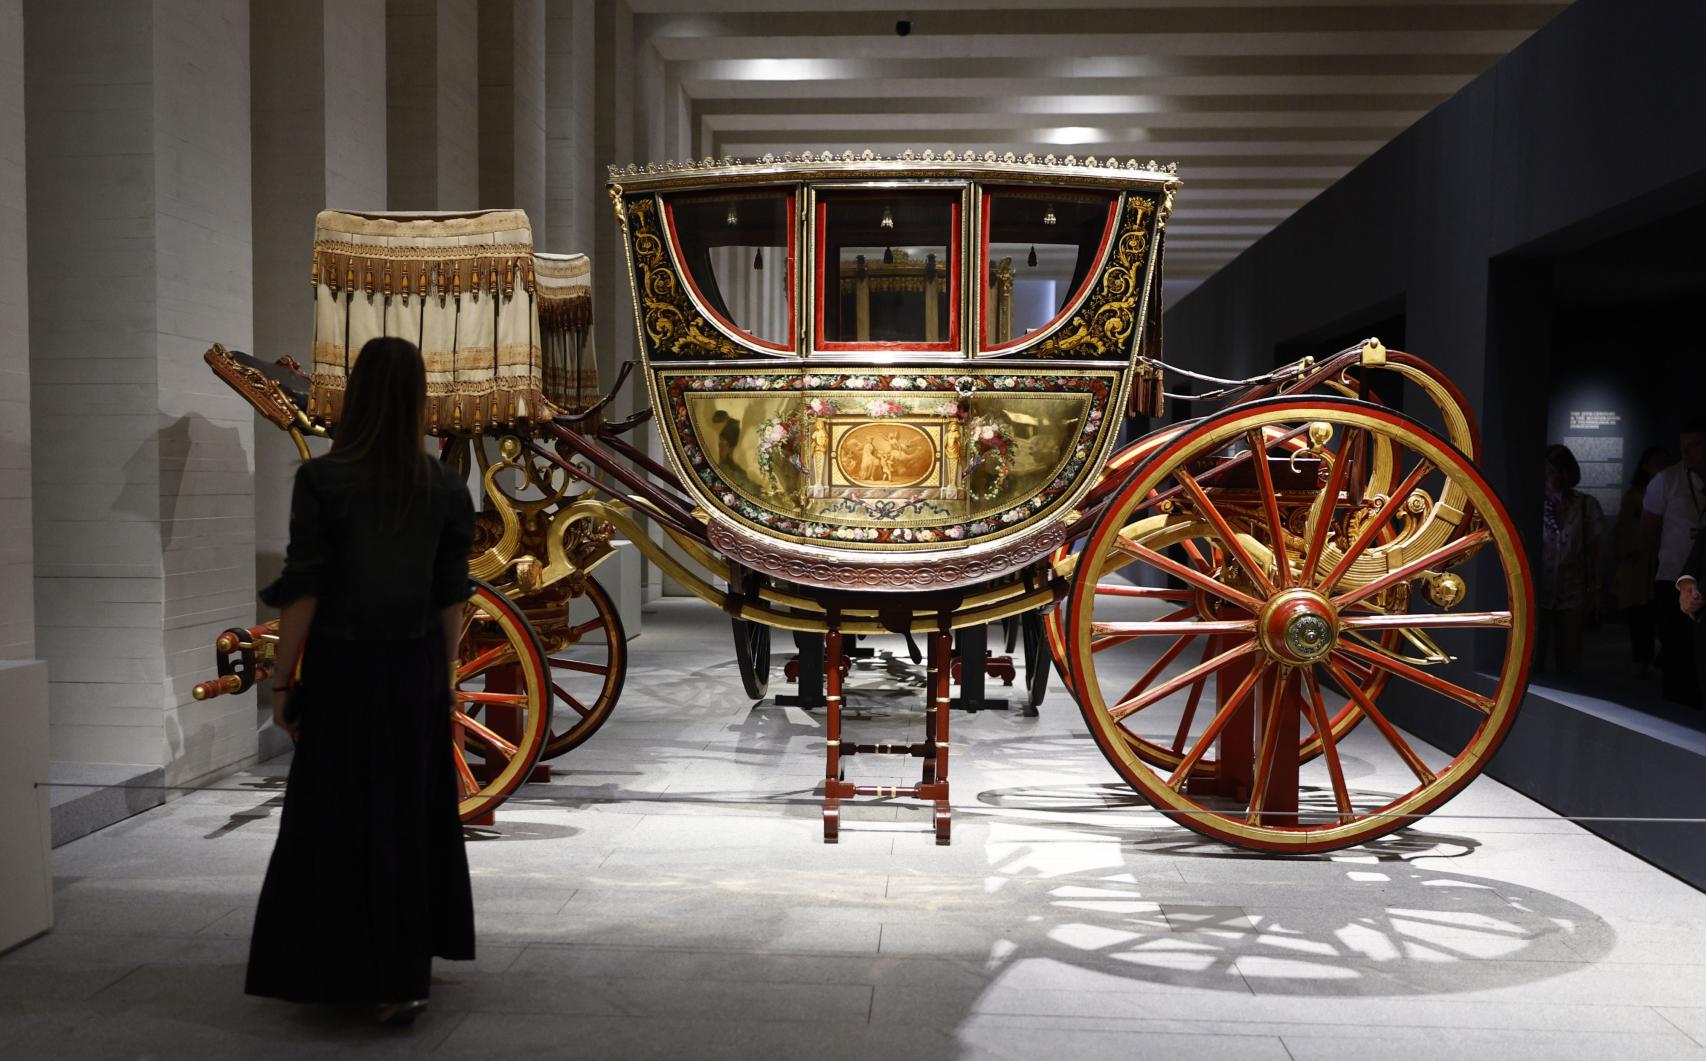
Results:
[1298, 627]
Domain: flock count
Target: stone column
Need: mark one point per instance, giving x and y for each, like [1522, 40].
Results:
[140, 258]
[25, 878]
[17, 568]
[319, 120]
[574, 199]
[432, 103]
[512, 108]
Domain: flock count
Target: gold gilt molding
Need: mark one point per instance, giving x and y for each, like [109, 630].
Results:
[672, 323]
[807, 158]
[1103, 325]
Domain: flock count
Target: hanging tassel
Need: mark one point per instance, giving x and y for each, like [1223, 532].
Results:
[1032, 260]
[888, 255]
[758, 258]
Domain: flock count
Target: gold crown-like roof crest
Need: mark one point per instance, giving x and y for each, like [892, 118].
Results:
[789, 158]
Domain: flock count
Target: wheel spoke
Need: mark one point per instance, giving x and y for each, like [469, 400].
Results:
[485, 735]
[1316, 534]
[1163, 627]
[463, 774]
[1189, 714]
[1371, 532]
[1451, 690]
[577, 665]
[1114, 589]
[1174, 684]
[575, 633]
[1270, 742]
[1428, 620]
[1107, 635]
[1422, 563]
[1270, 504]
[1329, 745]
[1186, 574]
[1218, 723]
[1228, 537]
[1399, 744]
[471, 697]
[484, 660]
[564, 695]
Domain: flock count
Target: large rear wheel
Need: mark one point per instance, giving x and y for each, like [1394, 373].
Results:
[1295, 599]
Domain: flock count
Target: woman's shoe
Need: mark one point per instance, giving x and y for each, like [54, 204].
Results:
[400, 1014]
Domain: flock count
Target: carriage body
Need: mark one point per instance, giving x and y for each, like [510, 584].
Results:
[891, 373]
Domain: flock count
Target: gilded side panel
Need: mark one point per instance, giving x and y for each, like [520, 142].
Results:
[892, 460]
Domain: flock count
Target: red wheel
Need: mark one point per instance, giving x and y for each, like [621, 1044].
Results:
[1316, 595]
[503, 701]
[587, 648]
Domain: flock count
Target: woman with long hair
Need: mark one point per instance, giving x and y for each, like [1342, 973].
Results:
[368, 879]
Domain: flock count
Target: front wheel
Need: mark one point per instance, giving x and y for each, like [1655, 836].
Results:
[1308, 599]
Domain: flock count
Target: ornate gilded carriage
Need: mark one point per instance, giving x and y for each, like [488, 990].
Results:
[890, 394]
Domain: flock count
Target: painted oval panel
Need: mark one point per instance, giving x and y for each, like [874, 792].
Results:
[885, 453]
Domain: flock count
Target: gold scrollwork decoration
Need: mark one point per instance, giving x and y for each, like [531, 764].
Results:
[672, 323]
[1104, 325]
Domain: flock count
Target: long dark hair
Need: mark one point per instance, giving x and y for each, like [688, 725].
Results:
[1560, 458]
[384, 418]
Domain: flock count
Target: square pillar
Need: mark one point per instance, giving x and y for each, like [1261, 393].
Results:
[139, 259]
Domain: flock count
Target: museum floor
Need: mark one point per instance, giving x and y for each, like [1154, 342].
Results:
[668, 896]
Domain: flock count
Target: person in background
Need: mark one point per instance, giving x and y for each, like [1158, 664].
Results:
[1633, 578]
[368, 879]
[1692, 600]
[1672, 514]
[1569, 576]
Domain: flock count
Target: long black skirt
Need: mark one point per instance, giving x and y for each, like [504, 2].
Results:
[369, 879]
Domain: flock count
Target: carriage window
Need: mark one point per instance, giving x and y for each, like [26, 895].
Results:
[1042, 248]
[887, 272]
[736, 250]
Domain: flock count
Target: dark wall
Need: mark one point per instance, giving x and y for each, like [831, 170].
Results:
[1591, 127]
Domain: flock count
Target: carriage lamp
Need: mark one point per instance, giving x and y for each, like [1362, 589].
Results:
[888, 217]
[1048, 214]
[732, 217]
